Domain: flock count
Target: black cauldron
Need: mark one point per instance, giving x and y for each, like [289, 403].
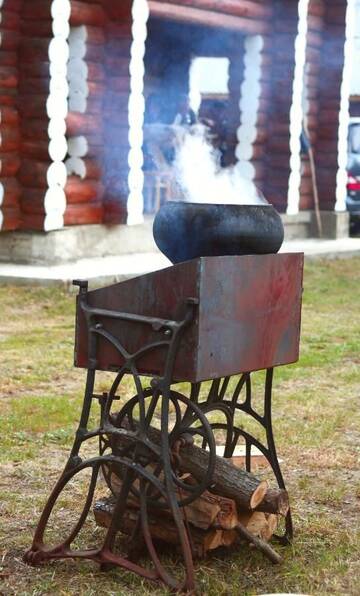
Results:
[185, 231]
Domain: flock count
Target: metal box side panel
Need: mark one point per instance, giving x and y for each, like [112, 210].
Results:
[250, 311]
[159, 294]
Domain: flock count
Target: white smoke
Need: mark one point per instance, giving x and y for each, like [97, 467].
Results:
[201, 177]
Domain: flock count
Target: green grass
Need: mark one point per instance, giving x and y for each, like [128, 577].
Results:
[317, 424]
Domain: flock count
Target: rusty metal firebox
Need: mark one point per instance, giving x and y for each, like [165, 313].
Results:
[207, 319]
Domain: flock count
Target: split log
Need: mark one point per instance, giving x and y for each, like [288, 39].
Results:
[204, 538]
[166, 531]
[258, 543]
[228, 481]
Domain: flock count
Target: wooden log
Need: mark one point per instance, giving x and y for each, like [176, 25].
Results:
[189, 14]
[9, 115]
[87, 34]
[9, 39]
[83, 13]
[8, 58]
[42, 174]
[203, 538]
[9, 20]
[9, 139]
[10, 192]
[45, 28]
[10, 219]
[245, 8]
[258, 543]
[115, 207]
[12, 5]
[119, 29]
[83, 191]
[87, 51]
[88, 71]
[82, 146]
[35, 129]
[89, 213]
[78, 124]
[228, 481]
[35, 69]
[165, 531]
[84, 168]
[37, 10]
[32, 201]
[35, 86]
[9, 164]
[117, 84]
[118, 64]
[37, 150]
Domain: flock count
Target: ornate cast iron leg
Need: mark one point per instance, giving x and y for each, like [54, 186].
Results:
[141, 466]
[221, 401]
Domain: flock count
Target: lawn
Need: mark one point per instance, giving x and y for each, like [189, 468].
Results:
[317, 425]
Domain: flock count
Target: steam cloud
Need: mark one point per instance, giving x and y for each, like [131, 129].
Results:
[201, 177]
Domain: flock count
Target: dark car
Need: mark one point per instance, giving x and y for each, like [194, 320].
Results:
[353, 168]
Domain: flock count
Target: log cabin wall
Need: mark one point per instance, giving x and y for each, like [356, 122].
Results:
[118, 34]
[278, 74]
[10, 191]
[329, 81]
[43, 54]
[95, 186]
[315, 21]
[85, 187]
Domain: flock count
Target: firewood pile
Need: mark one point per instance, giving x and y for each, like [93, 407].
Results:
[237, 507]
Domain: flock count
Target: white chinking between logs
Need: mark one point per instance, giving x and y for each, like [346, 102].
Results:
[57, 109]
[85, 75]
